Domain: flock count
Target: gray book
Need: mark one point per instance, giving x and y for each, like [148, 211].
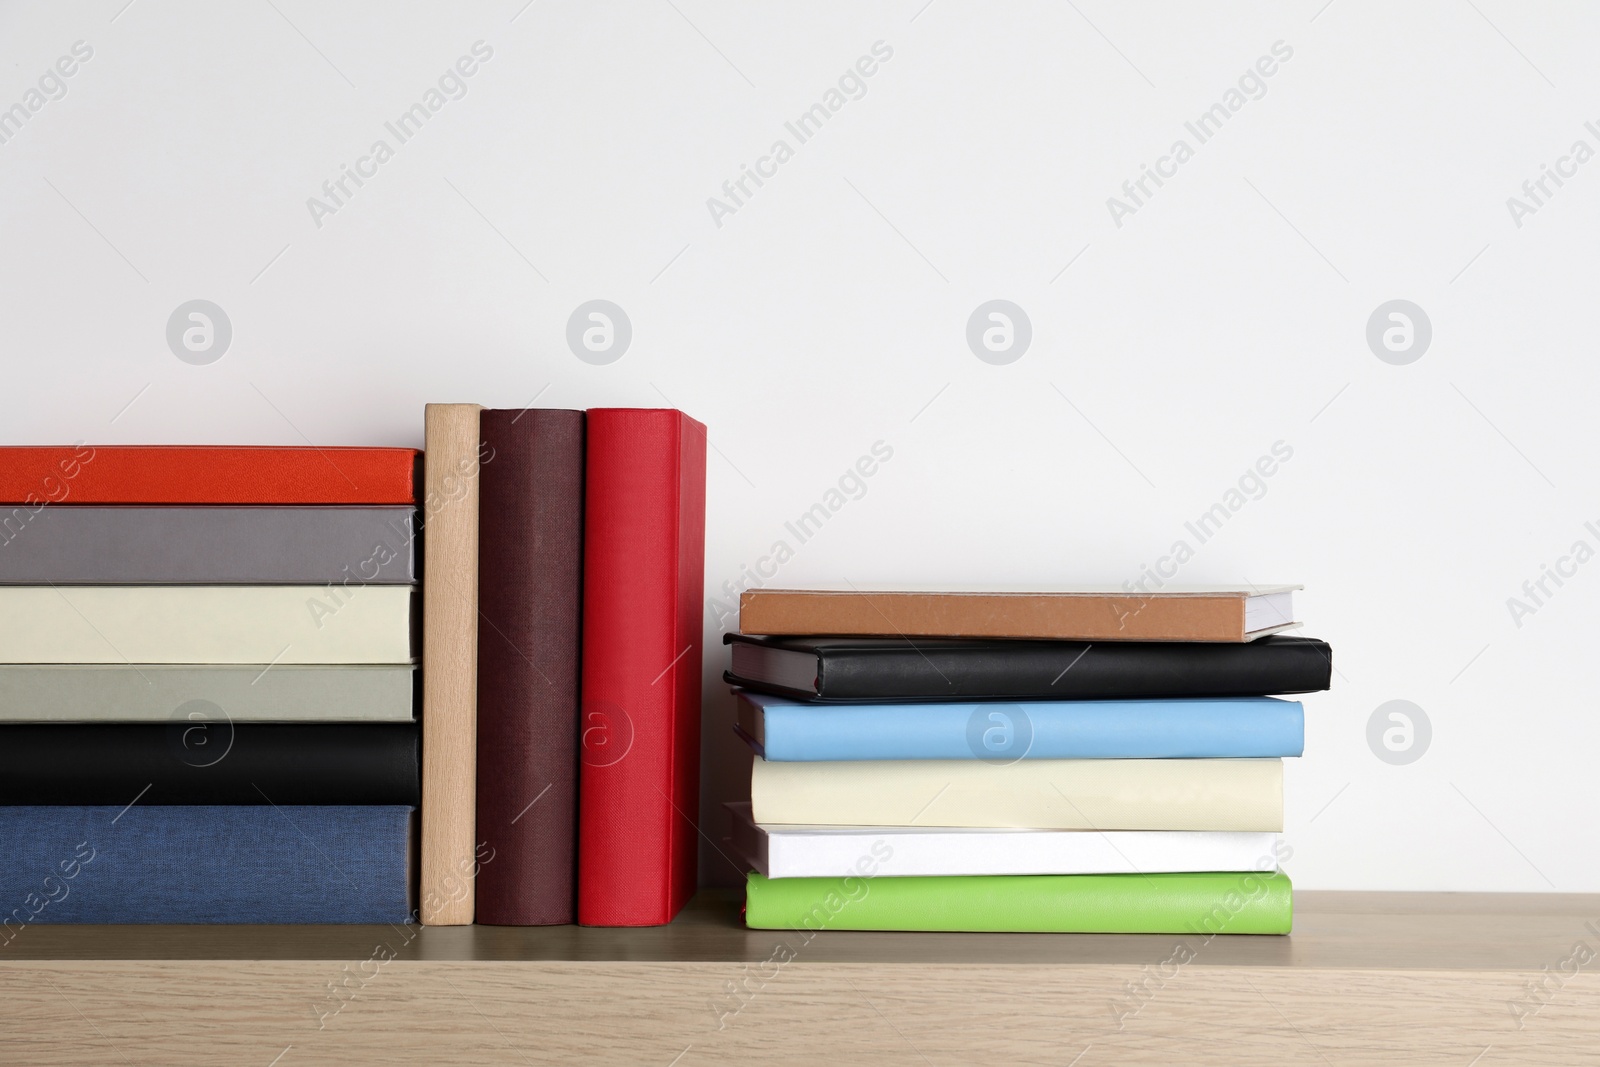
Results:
[223, 693]
[82, 545]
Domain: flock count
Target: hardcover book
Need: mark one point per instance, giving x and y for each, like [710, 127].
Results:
[1168, 615]
[1079, 794]
[1201, 905]
[204, 474]
[163, 692]
[889, 669]
[910, 851]
[199, 761]
[197, 624]
[1214, 727]
[530, 567]
[90, 545]
[453, 463]
[157, 864]
[643, 579]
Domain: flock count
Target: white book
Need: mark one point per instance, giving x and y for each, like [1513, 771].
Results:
[263, 624]
[908, 851]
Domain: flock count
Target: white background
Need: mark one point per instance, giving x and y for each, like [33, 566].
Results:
[829, 312]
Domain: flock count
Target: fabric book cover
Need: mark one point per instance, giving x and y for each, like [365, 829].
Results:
[203, 761]
[146, 863]
[453, 464]
[1210, 614]
[1198, 904]
[90, 545]
[1216, 727]
[205, 474]
[1041, 794]
[643, 580]
[530, 567]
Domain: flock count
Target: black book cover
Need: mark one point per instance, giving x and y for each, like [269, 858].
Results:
[210, 762]
[890, 669]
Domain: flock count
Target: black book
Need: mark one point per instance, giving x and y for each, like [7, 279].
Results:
[194, 762]
[889, 669]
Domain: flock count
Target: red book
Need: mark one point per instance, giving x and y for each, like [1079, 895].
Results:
[643, 578]
[205, 474]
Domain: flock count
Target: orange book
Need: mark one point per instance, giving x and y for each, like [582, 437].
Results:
[205, 474]
[1168, 615]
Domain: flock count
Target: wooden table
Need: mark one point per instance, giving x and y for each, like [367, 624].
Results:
[1366, 978]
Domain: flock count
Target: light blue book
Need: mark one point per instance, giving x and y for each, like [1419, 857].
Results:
[1201, 728]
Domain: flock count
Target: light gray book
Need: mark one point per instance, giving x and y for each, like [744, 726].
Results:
[149, 692]
[83, 545]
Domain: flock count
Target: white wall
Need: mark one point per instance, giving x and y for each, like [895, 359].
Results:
[829, 311]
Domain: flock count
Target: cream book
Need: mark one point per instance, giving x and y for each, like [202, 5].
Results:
[1071, 794]
[914, 851]
[262, 624]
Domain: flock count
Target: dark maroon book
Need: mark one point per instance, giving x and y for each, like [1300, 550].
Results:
[530, 576]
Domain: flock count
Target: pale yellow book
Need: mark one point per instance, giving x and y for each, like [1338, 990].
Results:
[280, 624]
[1086, 794]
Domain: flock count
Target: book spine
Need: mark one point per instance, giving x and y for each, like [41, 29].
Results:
[452, 466]
[255, 692]
[89, 545]
[200, 624]
[1200, 905]
[1248, 727]
[1077, 794]
[1072, 670]
[32, 477]
[987, 615]
[172, 864]
[644, 568]
[199, 757]
[530, 571]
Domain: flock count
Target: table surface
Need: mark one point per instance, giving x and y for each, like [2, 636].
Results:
[1332, 930]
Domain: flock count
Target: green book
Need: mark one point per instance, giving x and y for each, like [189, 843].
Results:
[1228, 902]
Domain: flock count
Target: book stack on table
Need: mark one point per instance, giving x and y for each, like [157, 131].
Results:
[1070, 762]
[207, 685]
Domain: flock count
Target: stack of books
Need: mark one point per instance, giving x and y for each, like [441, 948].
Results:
[207, 686]
[1071, 762]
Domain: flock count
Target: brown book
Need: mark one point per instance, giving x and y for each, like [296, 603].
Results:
[449, 663]
[530, 579]
[1169, 615]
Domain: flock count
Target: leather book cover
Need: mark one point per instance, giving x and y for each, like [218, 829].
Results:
[890, 669]
[530, 574]
[205, 474]
[453, 465]
[199, 761]
[1169, 615]
[643, 580]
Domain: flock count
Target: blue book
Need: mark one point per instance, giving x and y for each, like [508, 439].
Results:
[204, 864]
[1203, 728]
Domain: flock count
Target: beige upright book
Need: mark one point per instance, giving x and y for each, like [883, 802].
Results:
[1038, 794]
[449, 664]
